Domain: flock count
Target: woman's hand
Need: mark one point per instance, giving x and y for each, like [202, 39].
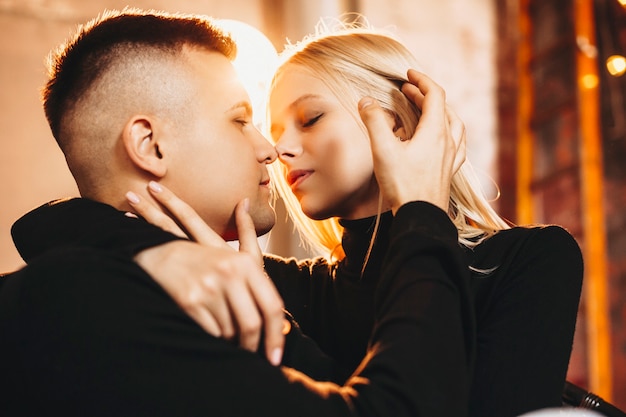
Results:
[225, 291]
[422, 167]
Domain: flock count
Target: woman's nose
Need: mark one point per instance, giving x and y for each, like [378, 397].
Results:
[288, 146]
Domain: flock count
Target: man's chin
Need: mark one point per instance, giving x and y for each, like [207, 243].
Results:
[261, 226]
[264, 230]
[264, 225]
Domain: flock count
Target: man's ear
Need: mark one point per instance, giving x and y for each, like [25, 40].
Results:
[142, 147]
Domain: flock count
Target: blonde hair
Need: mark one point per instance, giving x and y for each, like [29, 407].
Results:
[356, 61]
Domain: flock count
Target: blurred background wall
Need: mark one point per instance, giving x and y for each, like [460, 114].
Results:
[454, 40]
[511, 69]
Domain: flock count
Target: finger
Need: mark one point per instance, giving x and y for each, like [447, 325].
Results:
[247, 232]
[270, 306]
[381, 135]
[434, 97]
[219, 313]
[414, 94]
[247, 317]
[211, 312]
[430, 98]
[186, 216]
[208, 323]
[418, 81]
[423, 82]
[153, 215]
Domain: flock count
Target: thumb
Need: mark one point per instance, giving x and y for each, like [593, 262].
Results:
[377, 125]
[247, 233]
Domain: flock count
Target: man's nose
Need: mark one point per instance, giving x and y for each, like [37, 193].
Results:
[265, 151]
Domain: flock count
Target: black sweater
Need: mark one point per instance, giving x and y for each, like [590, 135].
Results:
[525, 309]
[85, 331]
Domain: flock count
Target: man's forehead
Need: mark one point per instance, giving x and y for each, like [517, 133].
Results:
[216, 77]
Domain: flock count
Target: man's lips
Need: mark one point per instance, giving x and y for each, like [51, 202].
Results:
[297, 176]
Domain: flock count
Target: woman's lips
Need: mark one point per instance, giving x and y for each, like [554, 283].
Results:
[295, 178]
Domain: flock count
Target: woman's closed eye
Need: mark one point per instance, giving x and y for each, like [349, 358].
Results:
[312, 121]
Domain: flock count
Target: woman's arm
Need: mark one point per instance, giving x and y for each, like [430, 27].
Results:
[526, 313]
[225, 291]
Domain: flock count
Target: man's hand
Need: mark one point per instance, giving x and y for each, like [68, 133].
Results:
[225, 291]
[420, 167]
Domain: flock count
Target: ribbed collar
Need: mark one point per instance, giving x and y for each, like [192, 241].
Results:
[356, 239]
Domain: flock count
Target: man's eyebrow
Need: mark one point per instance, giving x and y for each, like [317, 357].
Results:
[243, 103]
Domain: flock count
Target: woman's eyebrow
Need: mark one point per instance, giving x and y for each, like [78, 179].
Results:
[305, 97]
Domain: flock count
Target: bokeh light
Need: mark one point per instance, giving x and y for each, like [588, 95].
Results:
[589, 81]
[616, 64]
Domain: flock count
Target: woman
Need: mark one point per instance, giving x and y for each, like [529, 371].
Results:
[526, 281]
[519, 275]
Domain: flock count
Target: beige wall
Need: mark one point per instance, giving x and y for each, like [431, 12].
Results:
[453, 39]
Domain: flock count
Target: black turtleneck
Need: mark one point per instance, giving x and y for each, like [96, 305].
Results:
[525, 309]
[85, 331]
[334, 303]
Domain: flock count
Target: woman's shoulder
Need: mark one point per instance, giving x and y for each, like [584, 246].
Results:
[537, 244]
[539, 237]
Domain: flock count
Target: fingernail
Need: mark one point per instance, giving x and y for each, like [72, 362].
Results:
[246, 204]
[365, 102]
[276, 357]
[131, 215]
[155, 186]
[132, 197]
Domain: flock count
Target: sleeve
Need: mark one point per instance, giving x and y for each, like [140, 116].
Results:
[419, 358]
[525, 336]
[127, 349]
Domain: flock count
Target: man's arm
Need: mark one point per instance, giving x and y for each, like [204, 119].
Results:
[98, 336]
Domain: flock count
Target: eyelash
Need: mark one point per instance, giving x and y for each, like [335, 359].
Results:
[312, 121]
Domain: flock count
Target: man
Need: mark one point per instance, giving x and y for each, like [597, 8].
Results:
[137, 97]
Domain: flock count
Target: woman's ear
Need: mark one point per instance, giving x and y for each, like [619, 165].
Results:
[396, 125]
[400, 132]
[142, 147]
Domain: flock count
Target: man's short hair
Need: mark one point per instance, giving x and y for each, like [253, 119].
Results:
[113, 36]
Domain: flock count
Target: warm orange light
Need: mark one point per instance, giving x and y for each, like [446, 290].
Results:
[622, 2]
[255, 63]
[589, 81]
[616, 64]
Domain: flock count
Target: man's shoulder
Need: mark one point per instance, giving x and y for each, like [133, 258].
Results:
[69, 269]
[80, 222]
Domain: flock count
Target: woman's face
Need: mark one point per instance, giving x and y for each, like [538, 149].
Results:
[325, 153]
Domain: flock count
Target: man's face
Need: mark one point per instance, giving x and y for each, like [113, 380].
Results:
[219, 157]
